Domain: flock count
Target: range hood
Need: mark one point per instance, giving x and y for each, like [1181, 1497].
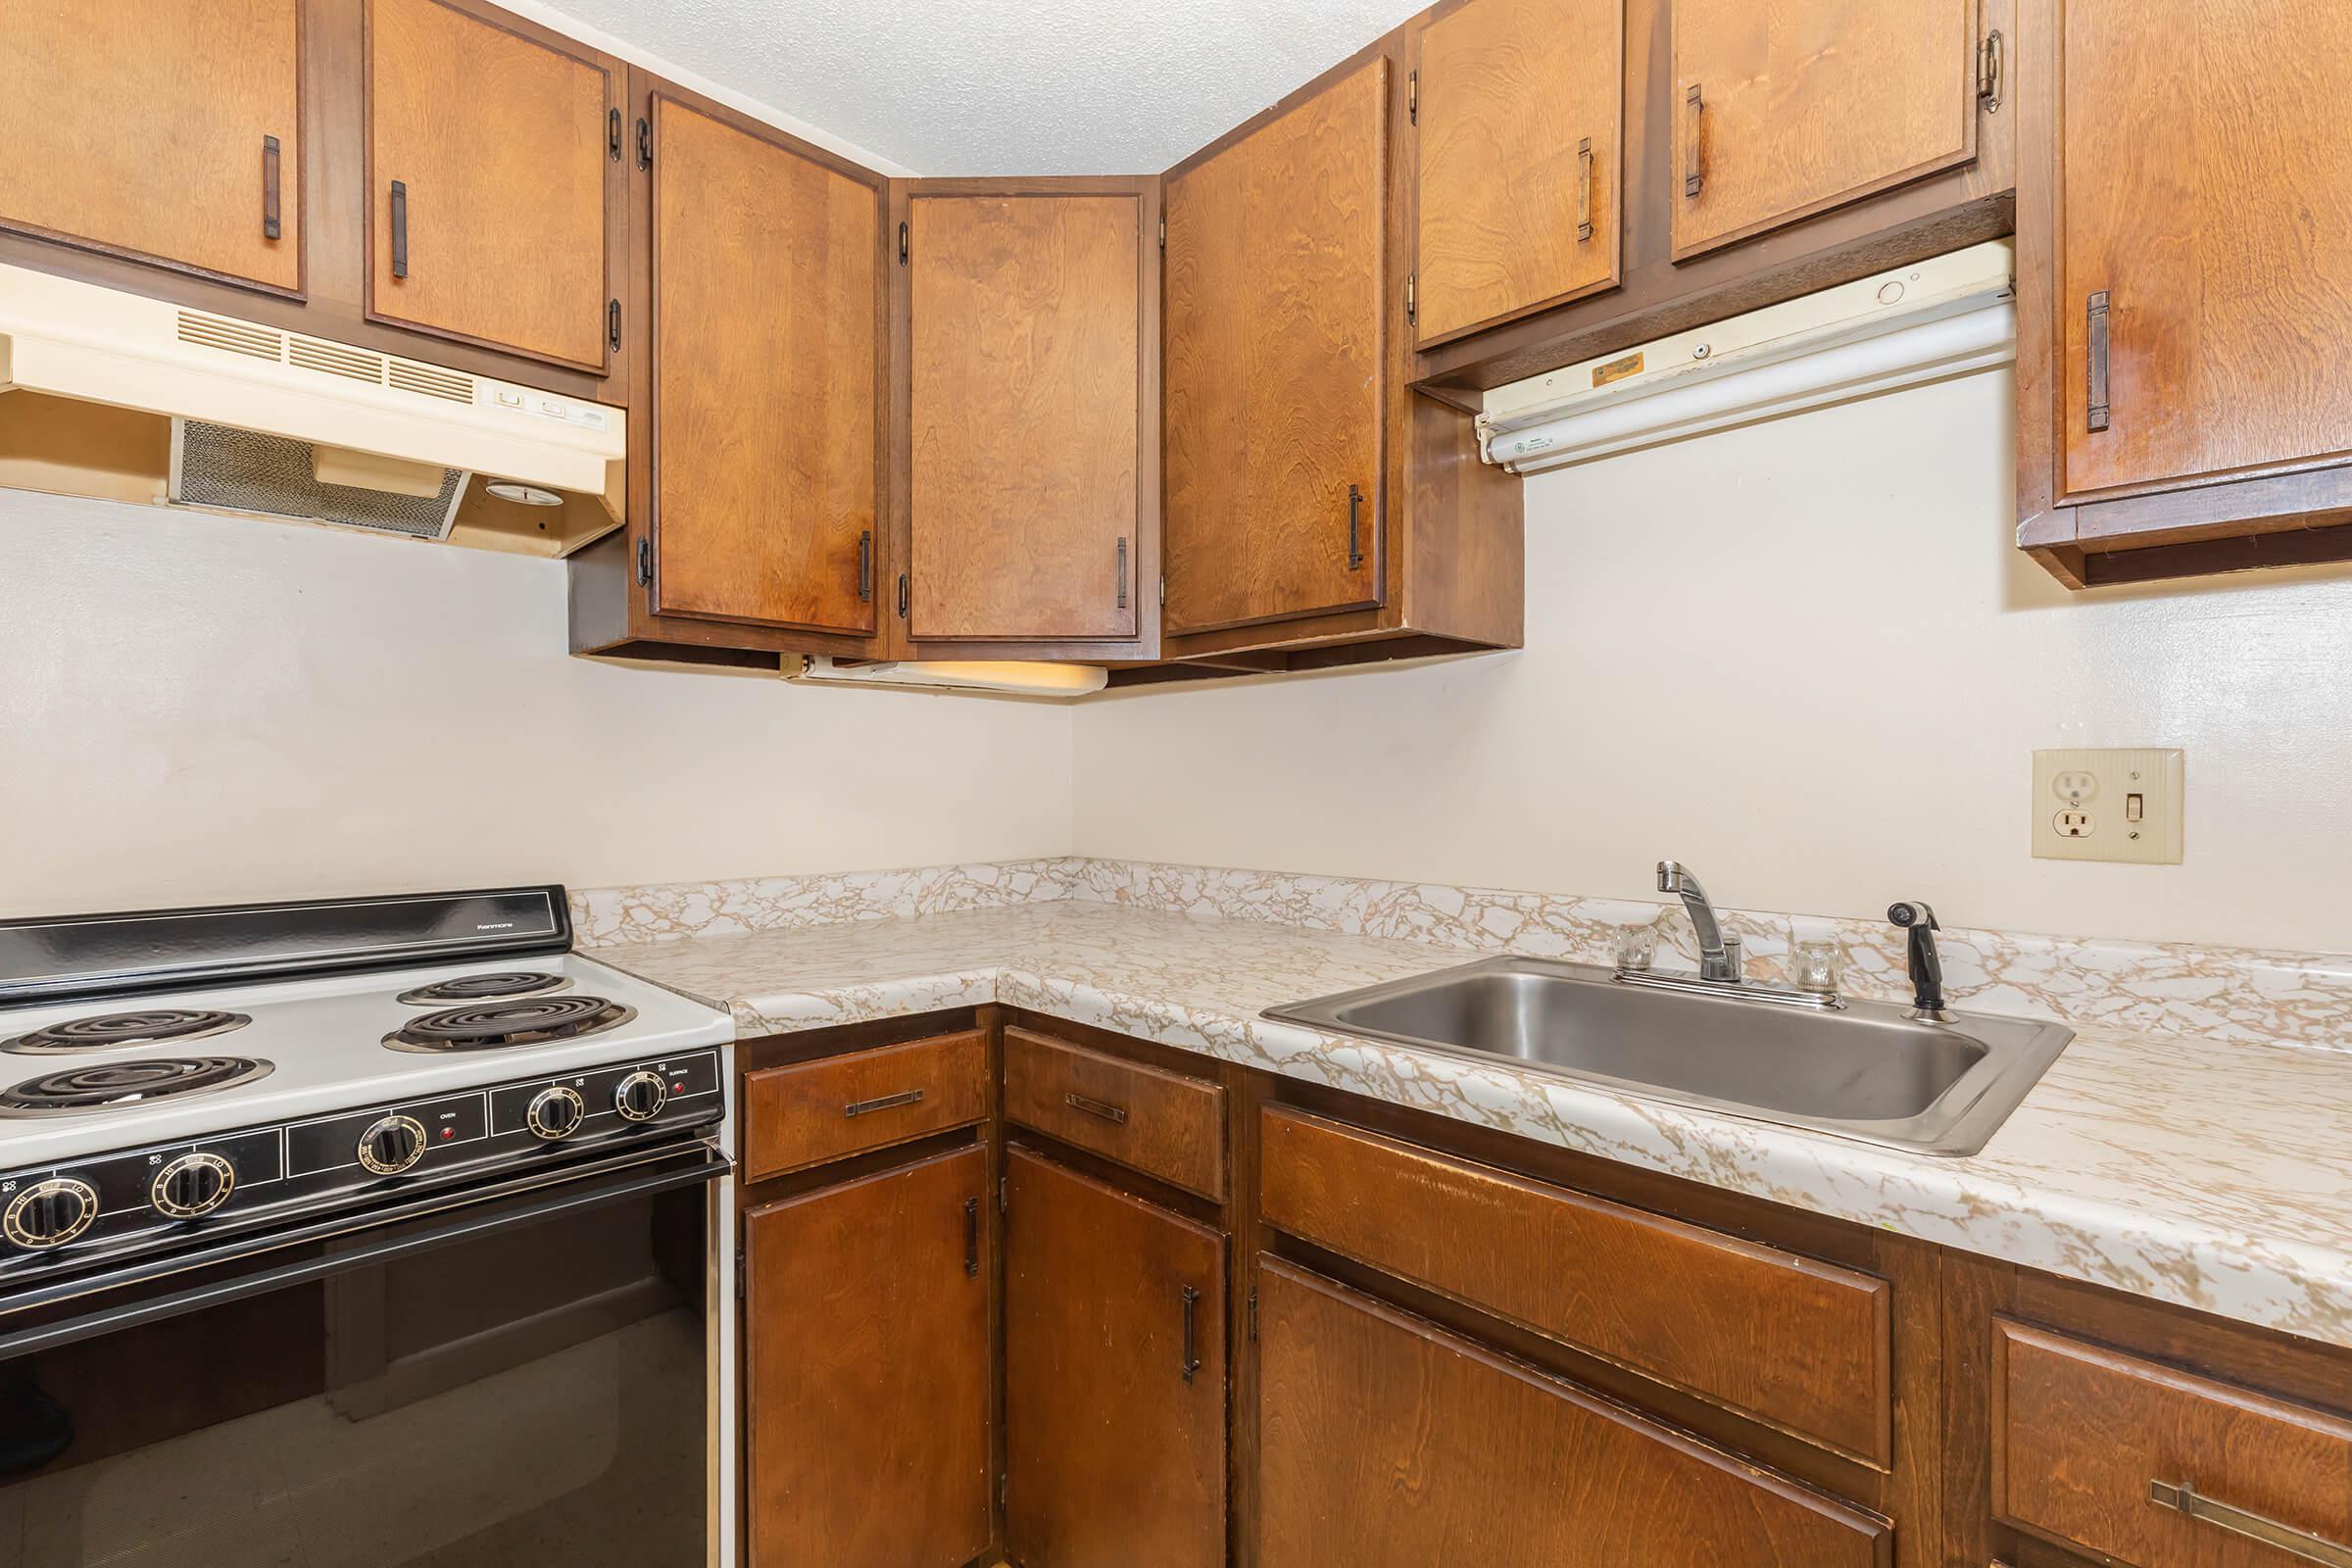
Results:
[111, 394]
[1949, 315]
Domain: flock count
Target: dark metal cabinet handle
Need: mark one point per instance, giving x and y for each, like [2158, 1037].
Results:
[1694, 121]
[612, 133]
[1192, 1331]
[400, 229]
[2253, 1526]
[613, 325]
[1584, 190]
[1116, 1116]
[865, 565]
[1122, 570]
[971, 1238]
[272, 229]
[2098, 361]
[909, 1096]
[1355, 521]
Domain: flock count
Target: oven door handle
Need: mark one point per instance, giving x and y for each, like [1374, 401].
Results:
[568, 1197]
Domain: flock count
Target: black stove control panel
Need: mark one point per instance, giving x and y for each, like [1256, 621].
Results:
[156, 1196]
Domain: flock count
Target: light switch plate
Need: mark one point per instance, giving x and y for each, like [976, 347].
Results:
[2114, 804]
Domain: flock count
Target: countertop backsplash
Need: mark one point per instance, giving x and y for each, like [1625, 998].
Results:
[2222, 994]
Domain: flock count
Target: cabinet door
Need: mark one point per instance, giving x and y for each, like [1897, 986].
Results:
[767, 275]
[1115, 1377]
[488, 157]
[1784, 108]
[867, 1390]
[1386, 1444]
[2205, 240]
[1520, 102]
[1027, 415]
[162, 128]
[1276, 290]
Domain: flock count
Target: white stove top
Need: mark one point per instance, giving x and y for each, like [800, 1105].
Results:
[324, 1039]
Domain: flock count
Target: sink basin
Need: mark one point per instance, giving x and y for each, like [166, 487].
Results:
[1866, 1070]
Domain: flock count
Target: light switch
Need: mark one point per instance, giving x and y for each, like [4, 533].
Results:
[2120, 805]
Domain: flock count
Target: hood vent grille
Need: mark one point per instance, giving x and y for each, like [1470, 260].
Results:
[227, 469]
[324, 359]
[230, 337]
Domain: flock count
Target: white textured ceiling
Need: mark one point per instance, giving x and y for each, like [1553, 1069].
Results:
[1005, 86]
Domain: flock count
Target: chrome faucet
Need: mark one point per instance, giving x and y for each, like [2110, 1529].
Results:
[1719, 959]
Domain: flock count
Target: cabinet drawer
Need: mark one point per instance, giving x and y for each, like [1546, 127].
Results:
[1385, 1442]
[2157, 1469]
[1161, 1123]
[1797, 1344]
[812, 1111]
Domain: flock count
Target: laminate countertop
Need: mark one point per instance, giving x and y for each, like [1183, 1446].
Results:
[2207, 1173]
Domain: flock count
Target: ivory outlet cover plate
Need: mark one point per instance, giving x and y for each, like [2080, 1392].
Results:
[2114, 804]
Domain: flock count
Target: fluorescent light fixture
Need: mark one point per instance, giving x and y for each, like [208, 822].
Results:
[1929, 322]
[992, 678]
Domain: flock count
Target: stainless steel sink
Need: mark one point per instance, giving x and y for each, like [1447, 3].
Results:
[1865, 1070]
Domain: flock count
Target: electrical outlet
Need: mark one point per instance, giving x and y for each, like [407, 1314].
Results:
[2122, 805]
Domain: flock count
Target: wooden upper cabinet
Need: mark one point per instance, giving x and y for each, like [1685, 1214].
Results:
[1783, 109]
[768, 307]
[2205, 240]
[491, 182]
[1277, 294]
[1519, 105]
[1115, 1377]
[1027, 418]
[867, 1384]
[164, 129]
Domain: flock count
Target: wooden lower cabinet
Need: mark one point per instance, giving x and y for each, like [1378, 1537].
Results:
[1384, 1442]
[1115, 1377]
[866, 1387]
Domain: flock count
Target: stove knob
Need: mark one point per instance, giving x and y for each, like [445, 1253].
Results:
[641, 1096]
[191, 1186]
[556, 1113]
[392, 1144]
[50, 1213]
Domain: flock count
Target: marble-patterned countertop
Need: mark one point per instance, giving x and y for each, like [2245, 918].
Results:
[2211, 1174]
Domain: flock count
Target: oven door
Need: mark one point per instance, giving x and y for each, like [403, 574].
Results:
[513, 1376]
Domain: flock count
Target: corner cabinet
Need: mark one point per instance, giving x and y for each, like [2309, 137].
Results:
[756, 469]
[169, 131]
[1114, 1376]
[2184, 289]
[1318, 511]
[1517, 109]
[1031, 312]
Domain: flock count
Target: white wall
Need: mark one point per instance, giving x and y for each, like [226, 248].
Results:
[1806, 658]
[195, 709]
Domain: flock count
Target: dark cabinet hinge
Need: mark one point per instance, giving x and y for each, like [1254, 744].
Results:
[905, 237]
[1412, 305]
[2096, 346]
[645, 144]
[1003, 1490]
[1989, 62]
[1252, 1317]
[645, 561]
[1164, 233]
[612, 133]
[1412, 98]
[971, 1238]
[865, 565]
[1123, 573]
[743, 1274]
[1355, 516]
[906, 591]
[612, 323]
[1164, 588]
[1004, 1196]
[272, 229]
